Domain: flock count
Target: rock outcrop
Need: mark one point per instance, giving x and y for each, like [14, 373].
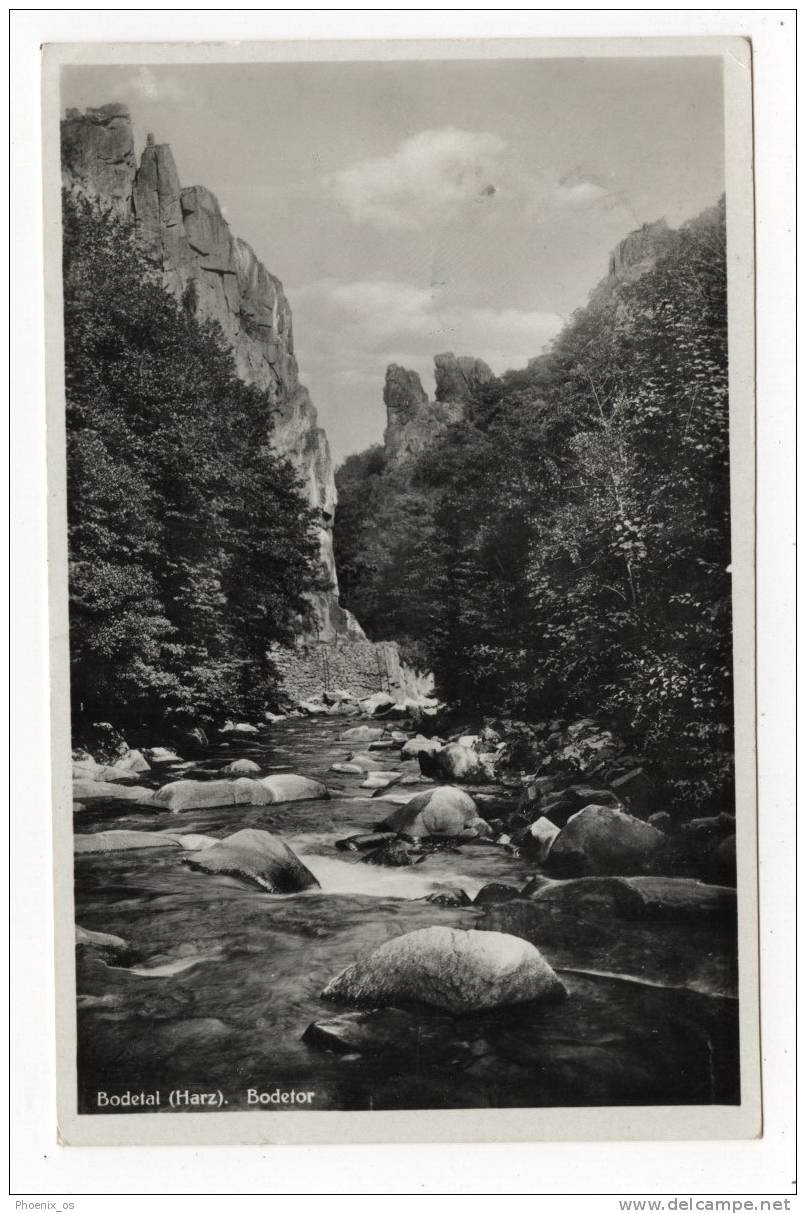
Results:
[639, 251]
[186, 236]
[413, 421]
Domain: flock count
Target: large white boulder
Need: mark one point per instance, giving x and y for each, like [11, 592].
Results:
[445, 812]
[257, 857]
[180, 795]
[459, 971]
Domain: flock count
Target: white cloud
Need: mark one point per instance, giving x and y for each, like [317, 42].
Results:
[367, 324]
[347, 333]
[145, 84]
[578, 190]
[428, 177]
[433, 176]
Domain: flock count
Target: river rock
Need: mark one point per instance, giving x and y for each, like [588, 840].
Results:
[446, 812]
[539, 839]
[455, 762]
[207, 794]
[191, 842]
[459, 971]
[385, 744]
[364, 842]
[495, 891]
[418, 745]
[103, 790]
[678, 898]
[86, 938]
[241, 767]
[257, 857]
[635, 789]
[161, 754]
[377, 703]
[365, 761]
[362, 733]
[121, 840]
[289, 787]
[312, 709]
[381, 779]
[393, 853]
[449, 898]
[238, 727]
[602, 841]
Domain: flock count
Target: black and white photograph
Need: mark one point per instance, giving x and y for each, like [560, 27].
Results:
[406, 530]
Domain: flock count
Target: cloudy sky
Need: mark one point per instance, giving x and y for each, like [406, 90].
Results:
[414, 208]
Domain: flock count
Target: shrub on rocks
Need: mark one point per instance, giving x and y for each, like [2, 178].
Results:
[258, 858]
[459, 971]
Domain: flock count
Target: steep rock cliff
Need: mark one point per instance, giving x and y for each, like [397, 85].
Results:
[413, 421]
[185, 234]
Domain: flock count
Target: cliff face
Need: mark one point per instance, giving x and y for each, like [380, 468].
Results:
[412, 420]
[639, 251]
[184, 233]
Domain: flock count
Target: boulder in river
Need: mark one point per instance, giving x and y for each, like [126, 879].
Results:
[495, 891]
[102, 790]
[459, 971]
[207, 794]
[238, 727]
[455, 762]
[161, 754]
[446, 812]
[602, 841]
[241, 767]
[539, 839]
[377, 703]
[418, 745]
[121, 840]
[392, 853]
[88, 939]
[366, 761]
[258, 858]
[381, 779]
[362, 733]
[191, 842]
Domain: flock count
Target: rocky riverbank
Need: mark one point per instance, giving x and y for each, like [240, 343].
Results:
[393, 919]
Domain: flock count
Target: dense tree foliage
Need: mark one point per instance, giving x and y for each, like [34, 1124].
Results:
[190, 546]
[565, 548]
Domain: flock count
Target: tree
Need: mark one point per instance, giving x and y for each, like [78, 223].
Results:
[191, 547]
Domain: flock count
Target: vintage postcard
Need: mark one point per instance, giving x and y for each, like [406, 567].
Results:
[401, 460]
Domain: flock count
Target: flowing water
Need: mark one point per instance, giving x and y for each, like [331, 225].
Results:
[219, 981]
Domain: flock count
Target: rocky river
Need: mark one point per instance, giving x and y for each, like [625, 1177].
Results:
[199, 980]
